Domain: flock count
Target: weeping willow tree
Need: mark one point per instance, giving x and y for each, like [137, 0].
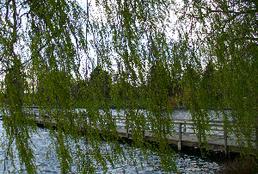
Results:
[47, 49]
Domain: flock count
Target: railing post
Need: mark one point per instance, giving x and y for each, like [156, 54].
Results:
[179, 144]
[127, 127]
[114, 120]
[184, 126]
[225, 141]
[127, 132]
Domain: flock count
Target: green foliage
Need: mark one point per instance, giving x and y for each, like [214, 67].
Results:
[79, 91]
[43, 46]
[100, 86]
[14, 81]
[158, 87]
[54, 90]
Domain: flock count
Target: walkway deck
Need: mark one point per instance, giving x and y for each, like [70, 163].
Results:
[184, 135]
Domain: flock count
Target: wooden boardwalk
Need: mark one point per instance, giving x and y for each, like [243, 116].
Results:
[183, 135]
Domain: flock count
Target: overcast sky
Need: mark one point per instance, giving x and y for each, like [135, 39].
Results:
[171, 34]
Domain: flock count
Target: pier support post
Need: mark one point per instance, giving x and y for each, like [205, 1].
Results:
[226, 141]
[127, 132]
[179, 144]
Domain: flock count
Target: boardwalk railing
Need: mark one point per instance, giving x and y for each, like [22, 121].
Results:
[183, 133]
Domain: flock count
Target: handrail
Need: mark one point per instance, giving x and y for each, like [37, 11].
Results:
[215, 126]
[180, 122]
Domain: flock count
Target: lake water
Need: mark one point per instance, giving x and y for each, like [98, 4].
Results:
[47, 162]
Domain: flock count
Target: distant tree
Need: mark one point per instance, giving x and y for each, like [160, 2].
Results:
[54, 89]
[100, 85]
[80, 92]
[157, 95]
[158, 85]
[191, 84]
[120, 95]
[208, 86]
[176, 88]
[127, 95]
[15, 86]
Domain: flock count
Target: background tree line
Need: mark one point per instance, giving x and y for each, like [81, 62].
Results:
[104, 87]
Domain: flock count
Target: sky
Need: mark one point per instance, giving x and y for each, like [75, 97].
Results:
[171, 34]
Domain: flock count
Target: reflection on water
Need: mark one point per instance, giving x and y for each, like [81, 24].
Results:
[47, 162]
